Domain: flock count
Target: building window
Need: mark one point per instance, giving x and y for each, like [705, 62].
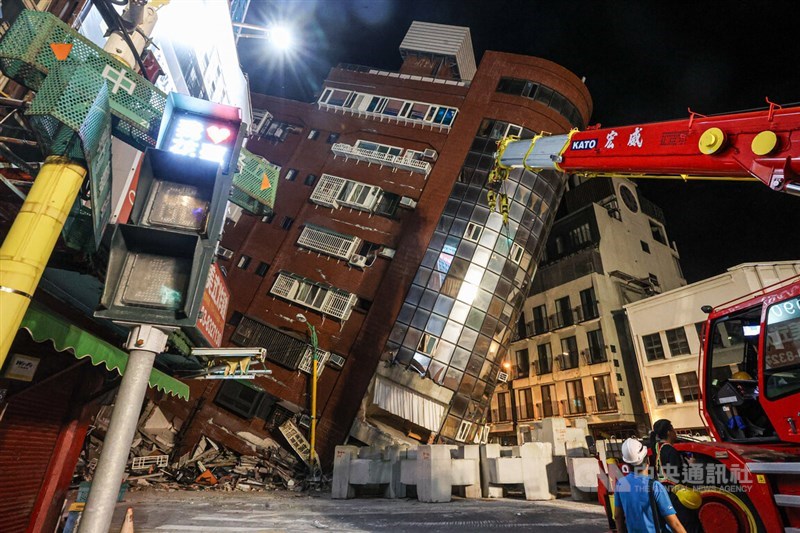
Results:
[310, 179]
[544, 361]
[267, 219]
[243, 262]
[261, 269]
[539, 320]
[473, 232]
[287, 222]
[604, 399]
[662, 387]
[543, 94]
[427, 344]
[240, 398]
[525, 404]
[580, 235]
[332, 138]
[576, 404]
[569, 353]
[328, 242]
[329, 300]
[549, 405]
[676, 340]
[652, 347]
[235, 318]
[378, 148]
[597, 350]
[291, 174]
[516, 253]
[687, 384]
[589, 304]
[523, 364]
[380, 107]
[503, 407]
[563, 313]
[645, 247]
[658, 232]
[336, 192]
[313, 134]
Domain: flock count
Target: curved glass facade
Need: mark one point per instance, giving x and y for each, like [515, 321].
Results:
[458, 316]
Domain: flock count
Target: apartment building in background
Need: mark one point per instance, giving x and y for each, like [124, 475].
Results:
[667, 331]
[572, 355]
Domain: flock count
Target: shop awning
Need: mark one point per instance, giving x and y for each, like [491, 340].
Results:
[44, 326]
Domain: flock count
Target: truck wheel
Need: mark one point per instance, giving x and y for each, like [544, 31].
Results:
[725, 511]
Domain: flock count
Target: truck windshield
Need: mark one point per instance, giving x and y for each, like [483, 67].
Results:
[782, 359]
[733, 347]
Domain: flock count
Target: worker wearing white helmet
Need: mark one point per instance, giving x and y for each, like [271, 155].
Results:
[641, 504]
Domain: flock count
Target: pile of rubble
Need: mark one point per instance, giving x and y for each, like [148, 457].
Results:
[153, 462]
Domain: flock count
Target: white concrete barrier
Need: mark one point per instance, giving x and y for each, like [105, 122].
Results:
[514, 465]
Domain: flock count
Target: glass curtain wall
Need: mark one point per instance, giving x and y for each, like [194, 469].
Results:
[458, 316]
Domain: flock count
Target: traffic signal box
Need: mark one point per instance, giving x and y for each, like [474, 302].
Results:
[159, 262]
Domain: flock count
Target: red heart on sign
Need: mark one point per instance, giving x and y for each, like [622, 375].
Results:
[217, 134]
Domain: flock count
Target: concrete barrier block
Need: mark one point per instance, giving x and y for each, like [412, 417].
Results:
[340, 486]
[505, 470]
[535, 458]
[395, 455]
[408, 471]
[434, 481]
[583, 477]
[370, 472]
[471, 485]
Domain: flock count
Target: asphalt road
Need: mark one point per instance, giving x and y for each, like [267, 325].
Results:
[221, 512]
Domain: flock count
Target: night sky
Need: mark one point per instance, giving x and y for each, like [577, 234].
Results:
[643, 61]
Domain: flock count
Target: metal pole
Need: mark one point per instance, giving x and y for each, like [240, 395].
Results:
[313, 458]
[144, 342]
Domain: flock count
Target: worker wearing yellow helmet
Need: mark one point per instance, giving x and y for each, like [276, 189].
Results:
[670, 468]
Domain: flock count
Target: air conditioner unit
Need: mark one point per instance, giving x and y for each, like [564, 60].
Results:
[224, 252]
[502, 377]
[387, 253]
[359, 261]
[431, 154]
[407, 202]
[336, 361]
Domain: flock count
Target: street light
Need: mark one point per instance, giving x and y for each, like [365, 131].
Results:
[312, 331]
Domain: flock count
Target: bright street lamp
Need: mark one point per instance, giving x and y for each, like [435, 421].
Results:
[312, 331]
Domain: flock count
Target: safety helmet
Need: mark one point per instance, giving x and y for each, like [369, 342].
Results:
[689, 498]
[742, 375]
[633, 452]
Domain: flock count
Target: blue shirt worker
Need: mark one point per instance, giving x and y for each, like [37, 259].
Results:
[641, 504]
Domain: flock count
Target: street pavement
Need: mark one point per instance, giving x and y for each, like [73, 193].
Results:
[273, 512]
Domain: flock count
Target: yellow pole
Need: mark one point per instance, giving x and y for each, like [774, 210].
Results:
[315, 347]
[31, 239]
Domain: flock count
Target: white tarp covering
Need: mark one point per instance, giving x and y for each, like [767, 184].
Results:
[408, 404]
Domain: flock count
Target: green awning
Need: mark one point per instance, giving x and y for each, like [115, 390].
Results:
[44, 326]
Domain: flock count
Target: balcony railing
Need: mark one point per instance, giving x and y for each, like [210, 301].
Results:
[590, 311]
[382, 158]
[604, 403]
[547, 409]
[574, 406]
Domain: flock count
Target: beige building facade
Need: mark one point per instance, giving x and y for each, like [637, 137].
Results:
[667, 331]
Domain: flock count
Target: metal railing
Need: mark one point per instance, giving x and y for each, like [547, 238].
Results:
[568, 361]
[543, 366]
[382, 158]
[595, 355]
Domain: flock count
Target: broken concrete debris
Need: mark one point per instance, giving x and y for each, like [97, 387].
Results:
[154, 462]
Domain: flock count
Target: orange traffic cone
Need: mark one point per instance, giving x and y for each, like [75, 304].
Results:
[127, 524]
